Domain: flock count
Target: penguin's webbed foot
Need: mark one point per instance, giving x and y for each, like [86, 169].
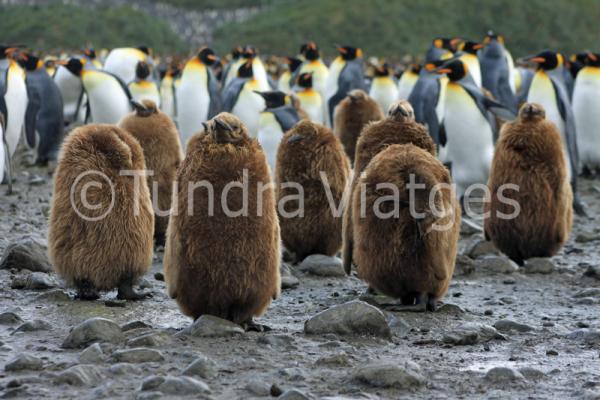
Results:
[159, 240]
[86, 291]
[251, 326]
[126, 292]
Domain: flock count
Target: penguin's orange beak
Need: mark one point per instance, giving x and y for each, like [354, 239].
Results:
[592, 56]
[478, 46]
[537, 60]
[212, 57]
[443, 71]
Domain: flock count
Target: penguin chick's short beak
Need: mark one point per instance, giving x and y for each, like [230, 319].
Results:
[223, 125]
[295, 138]
[140, 109]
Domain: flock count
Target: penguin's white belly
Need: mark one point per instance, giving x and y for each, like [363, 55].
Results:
[167, 102]
[260, 74]
[586, 109]
[3, 156]
[470, 142]
[283, 84]
[248, 108]
[542, 92]
[147, 91]
[122, 63]
[107, 99]
[440, 108]
[384, 91]
[70, 88]
[269, 137]
[474, 67]
[312, 103]
[406, 85]
[193, 101]
[16, 106]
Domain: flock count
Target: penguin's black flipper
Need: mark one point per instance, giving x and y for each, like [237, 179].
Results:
[123, 84]
[31, 115]
[506, 96]
[216, 102]
[231, 93]
[3, 110]
[442, 139]
[566, 112]
[287, 116]
[486, 104]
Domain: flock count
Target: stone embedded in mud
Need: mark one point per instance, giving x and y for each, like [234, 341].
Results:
[481, 247]
[92, 354]
[56, 295]
[202, 366]
[134, 325]
[124, 369]
[288, 280]
[321, 265]
[211, 326]
[180, 386]
[137, 355]
[586, 237]
[80, 375]
[532, 374]
[152, 382]
[93, 330]
[23, 362]
[352, 318]
[539, 265]
[34, 281]
[503, 375]
[400, 375]
[9, 318]
[464, 265]
[507, 325]
[276, 340]
[152, 339]
[496, 265]
[471, 333]
[294, 394]
[32, 326]
[585, 335]
[28, 252]
[593, 271]
[588, 292]
[258, 388]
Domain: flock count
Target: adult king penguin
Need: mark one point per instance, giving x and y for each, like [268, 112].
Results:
[284, 83]
[167, 91]
[427, 98]
[197, 96]
[310, 100]
[586, 111]
[496, 72]
[467, 52]
[68, 80]
[469, 129]
[384, 89]
[345, 74]
[407, 81]
[441, 49]
[143, 87]
[240, 98]
[315, 65]
[547, 88]
[122, 61]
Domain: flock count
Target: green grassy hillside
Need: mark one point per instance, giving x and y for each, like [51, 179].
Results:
[394, 28]
[71, 27]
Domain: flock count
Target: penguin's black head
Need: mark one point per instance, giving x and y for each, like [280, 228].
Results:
[293, 63]
[470, 47]
[90, 53]
[7, 50]
[274, 98]
[592, 59]
[305, 80]
[454, 69]
[145, 49]
[249, 52]
[245, 70]
[142, 70]
[532, 111]
[546, 60]
[492, 36]
[236, 53]
[310, 51]
[415, 68]
[74, 65]
[349, 53]
[30, 62]
[383, 70]
[207, 56]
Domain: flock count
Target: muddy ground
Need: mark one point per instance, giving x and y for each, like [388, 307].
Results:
[555, 355]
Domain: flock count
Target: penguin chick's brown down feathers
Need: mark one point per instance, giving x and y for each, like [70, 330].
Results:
[399, 127]
[351, 115]
[398, 252]
[158, 136]
[528, 154]
[223, 259]
[308, 151]
[90, 244]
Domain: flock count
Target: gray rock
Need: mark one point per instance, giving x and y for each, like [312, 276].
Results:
[450, 309]
[152, 382]
[182, 385]
[93, 330]
[465, 265]
[258, 388]
[481, 247]
[585, 335]
[153, 339]
[23, 362]
[276, 340]
[355, 317]
[401, 375]
[92, 354]
[134, 325]
[80, 375]
[399, 326]
[336, 360]
[586, 301]
[586, 237]
[593, 271]
[588, 292]
[321, 265]
[294, 394]
[471, 333]
[34, 281]
[507, 325]
[9, 318]
[539, 266]
[532, 374]
[124, 369]
[32, 326]
[288, 280]
[203, 367]
[211, 326]
[137, 355]
[55, 295]
[293, 374]
[496, 265]
[468, 227]
[503, 375]
[28, 252]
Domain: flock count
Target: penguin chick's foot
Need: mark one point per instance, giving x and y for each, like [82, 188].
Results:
[428, 300]
[126, 292]
[251, 326]
[86, 291]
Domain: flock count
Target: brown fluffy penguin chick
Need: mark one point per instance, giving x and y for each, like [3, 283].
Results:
[158, 136]
[351, 115]
[528, 154]
[399, 127]
[222, 259]
[311, 226]
[93, 244]
[406, 244]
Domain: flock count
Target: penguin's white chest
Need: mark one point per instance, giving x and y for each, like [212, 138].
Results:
[122, 62]
[312, 103]
[16, 105]
[167, 100]
[384, 91]
[193, 100]
[586, 110]
[145, 90]
[473, 66]
[269, 137]
[470, 142]
[70, 88]
[108, 101]
[406, 84]
[249, 106]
